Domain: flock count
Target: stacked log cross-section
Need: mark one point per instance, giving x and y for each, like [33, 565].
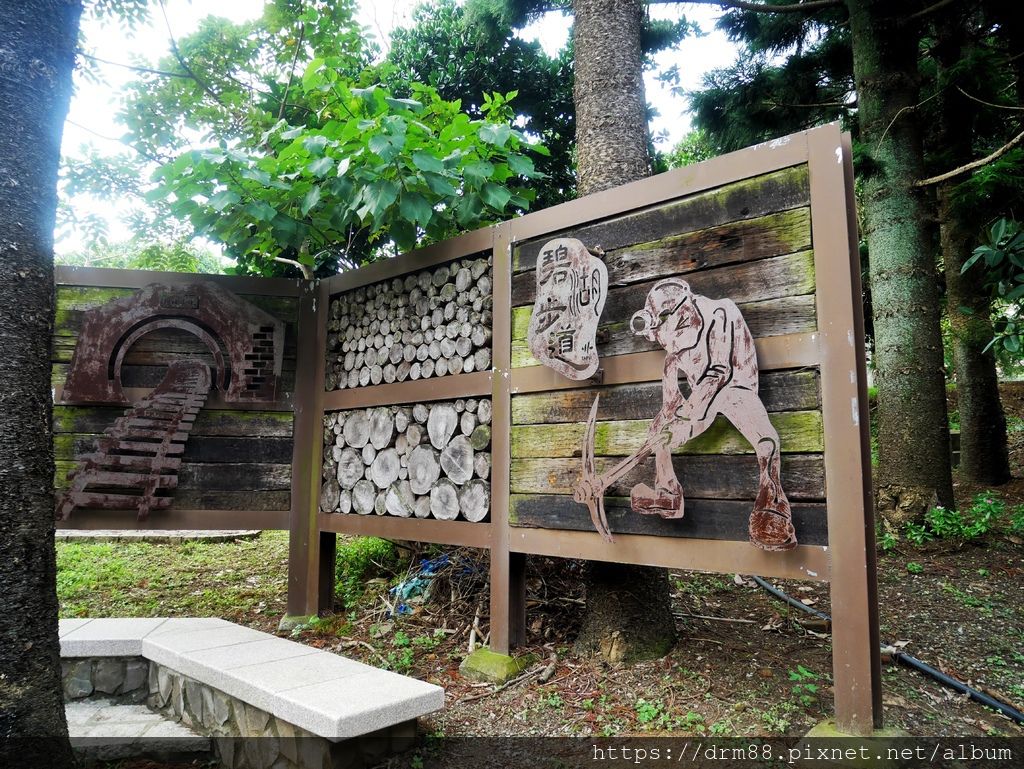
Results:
[135, 463]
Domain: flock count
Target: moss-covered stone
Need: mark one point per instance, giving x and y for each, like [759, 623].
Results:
[289, 622]
[850, 751]
[485, 665]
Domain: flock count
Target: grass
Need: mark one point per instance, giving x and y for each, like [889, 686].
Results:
[233, 580]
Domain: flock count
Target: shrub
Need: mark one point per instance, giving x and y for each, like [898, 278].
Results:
[361, 559]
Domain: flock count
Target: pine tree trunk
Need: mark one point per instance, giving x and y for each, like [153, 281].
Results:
[37, 46]
[983, 452]
[914, 465]
[611, 111]
[628, 614]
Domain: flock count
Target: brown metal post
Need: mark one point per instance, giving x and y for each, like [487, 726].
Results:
[326, 577]
[508, 603]
[304, 566]
[855, 652]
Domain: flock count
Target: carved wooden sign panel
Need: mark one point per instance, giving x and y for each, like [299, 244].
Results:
[571, 289]
[246, 343]
[707, 342]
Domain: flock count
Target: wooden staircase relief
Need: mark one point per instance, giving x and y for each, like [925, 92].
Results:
[135, 463]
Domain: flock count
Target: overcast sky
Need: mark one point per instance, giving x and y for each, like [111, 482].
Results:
[94, 105]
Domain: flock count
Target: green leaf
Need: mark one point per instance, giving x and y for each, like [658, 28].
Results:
[315, 144]
[223, 199]
[495, 195]
[410, 104]
[377, 198]
[520, 164]
[404, 234]
[310, 200]
[260, 210]
[439, 185]
[321, 166]
[497, 134]
[427, 162]
[255, 174]
[415, 208]
[480, 170]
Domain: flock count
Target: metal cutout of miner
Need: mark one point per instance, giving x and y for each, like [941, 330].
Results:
[707, 341]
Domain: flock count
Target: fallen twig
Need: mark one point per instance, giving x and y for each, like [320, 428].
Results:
[506, 685]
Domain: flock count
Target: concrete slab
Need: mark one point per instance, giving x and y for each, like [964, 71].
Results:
[359, 704]
[67, 625]
[189, 625]
[114, 637]
[281, 675]
[250, 653]
[179, 640]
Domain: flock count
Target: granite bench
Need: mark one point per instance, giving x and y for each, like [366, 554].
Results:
[233, 683]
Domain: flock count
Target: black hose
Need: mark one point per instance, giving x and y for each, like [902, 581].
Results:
[910, 661]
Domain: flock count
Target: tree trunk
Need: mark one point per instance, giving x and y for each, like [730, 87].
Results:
[983, 451]
[36, 59]
[611, 111]
[628, 613]
[914, 466]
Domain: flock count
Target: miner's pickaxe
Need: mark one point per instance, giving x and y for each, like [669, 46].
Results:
[591, 487]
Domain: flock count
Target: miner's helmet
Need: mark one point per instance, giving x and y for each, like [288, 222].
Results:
[663, 301]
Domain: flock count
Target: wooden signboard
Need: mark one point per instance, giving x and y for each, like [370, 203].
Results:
[737, 443]
[173, 400]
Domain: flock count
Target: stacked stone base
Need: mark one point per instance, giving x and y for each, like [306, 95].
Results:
[243, 736]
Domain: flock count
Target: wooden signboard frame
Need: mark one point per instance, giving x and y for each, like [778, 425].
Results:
[836, 348]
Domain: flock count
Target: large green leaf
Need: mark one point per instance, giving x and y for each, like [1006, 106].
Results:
[415, 208]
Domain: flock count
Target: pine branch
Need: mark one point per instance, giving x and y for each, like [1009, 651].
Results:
[930, 9]
[967, 168]
[742, 5]
[148, 70]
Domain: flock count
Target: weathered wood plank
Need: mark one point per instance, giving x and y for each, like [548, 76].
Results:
[733, 261]
[799, 431]
[776, 278]
[782, 390]
[774, 317]
[95, 419]
[704, 519]
[156, 347]
[213, 449]
[746, 199]
[213, 477]
[72, 301]
[151, 376]
[716, 476]
[188, 499]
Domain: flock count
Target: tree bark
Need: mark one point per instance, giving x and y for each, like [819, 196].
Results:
[983, 451]
[914, 465]
[611, 111]
[628, 613]
[36, 59]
